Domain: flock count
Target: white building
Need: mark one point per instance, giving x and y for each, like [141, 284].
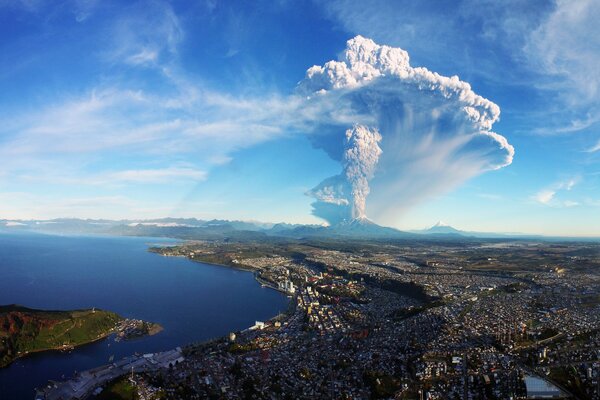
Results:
[287, 286]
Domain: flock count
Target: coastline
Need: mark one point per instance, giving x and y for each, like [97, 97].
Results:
[239, 267]
[56, 349]
[33, 369]
[118, 330]
[181, 348]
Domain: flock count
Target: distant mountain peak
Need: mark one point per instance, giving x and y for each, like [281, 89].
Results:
[442, 228]
[360, 221]
[363, 227]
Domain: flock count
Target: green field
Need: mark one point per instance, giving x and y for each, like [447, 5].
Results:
[24, 330]
[120, 389]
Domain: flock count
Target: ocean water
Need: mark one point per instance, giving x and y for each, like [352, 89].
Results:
[192, 301]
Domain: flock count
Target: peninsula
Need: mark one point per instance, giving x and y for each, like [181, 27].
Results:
[24, 330]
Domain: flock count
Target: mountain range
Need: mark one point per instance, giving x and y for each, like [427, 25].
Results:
[192, 228]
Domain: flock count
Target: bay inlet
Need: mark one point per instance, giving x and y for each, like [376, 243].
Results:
[193, 301]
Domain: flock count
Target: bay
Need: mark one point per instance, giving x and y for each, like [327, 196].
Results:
[192, 301]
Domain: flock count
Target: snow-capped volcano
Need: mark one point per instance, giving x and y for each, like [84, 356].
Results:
[442, 227]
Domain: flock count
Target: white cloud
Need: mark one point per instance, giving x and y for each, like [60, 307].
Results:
[569, 184]
[145, 56]
[548, 196]
[594, 148]
[13, 223]
[545, 196]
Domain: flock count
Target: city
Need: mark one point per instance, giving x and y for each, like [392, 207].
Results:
[465, 320]
[279, 200]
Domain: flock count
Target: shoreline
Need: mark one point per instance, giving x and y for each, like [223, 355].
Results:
[213, 340]
[155, 250]
[154, 329]
[239, 267]
[60, 349]
[30, 355]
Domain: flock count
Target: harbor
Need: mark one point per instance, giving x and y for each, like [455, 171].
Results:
[87, 382]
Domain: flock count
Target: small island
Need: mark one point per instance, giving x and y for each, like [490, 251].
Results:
[24, 330]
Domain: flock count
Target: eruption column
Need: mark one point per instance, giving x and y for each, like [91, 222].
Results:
[361, 153]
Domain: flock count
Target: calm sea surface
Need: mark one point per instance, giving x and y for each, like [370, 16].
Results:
[192, 301]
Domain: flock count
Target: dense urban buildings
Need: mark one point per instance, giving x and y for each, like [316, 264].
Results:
[455, 319]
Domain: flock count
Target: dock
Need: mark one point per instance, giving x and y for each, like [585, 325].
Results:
[84, 383]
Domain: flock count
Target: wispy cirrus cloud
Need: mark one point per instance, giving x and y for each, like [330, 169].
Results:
[552, 46]
[148, 33]
[163, 175]
[564, 48]
[566, 45]
[113, 119]
[144, 56]
[594, 148]
[143, 106]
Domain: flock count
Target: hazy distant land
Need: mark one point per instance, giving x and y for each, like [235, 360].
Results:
[220, 229]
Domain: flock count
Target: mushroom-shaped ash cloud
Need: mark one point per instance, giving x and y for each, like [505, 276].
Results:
[409, 133]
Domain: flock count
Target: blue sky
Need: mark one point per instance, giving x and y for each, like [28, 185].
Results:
[142, 110]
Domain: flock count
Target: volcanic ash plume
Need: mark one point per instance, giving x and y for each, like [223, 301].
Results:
[360, 158]
[416, 134]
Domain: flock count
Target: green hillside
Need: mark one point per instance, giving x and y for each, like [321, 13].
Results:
[24, 330]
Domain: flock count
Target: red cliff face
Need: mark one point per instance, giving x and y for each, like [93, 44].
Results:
[12, 322]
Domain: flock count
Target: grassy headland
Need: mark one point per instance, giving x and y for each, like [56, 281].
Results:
[24, 330]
